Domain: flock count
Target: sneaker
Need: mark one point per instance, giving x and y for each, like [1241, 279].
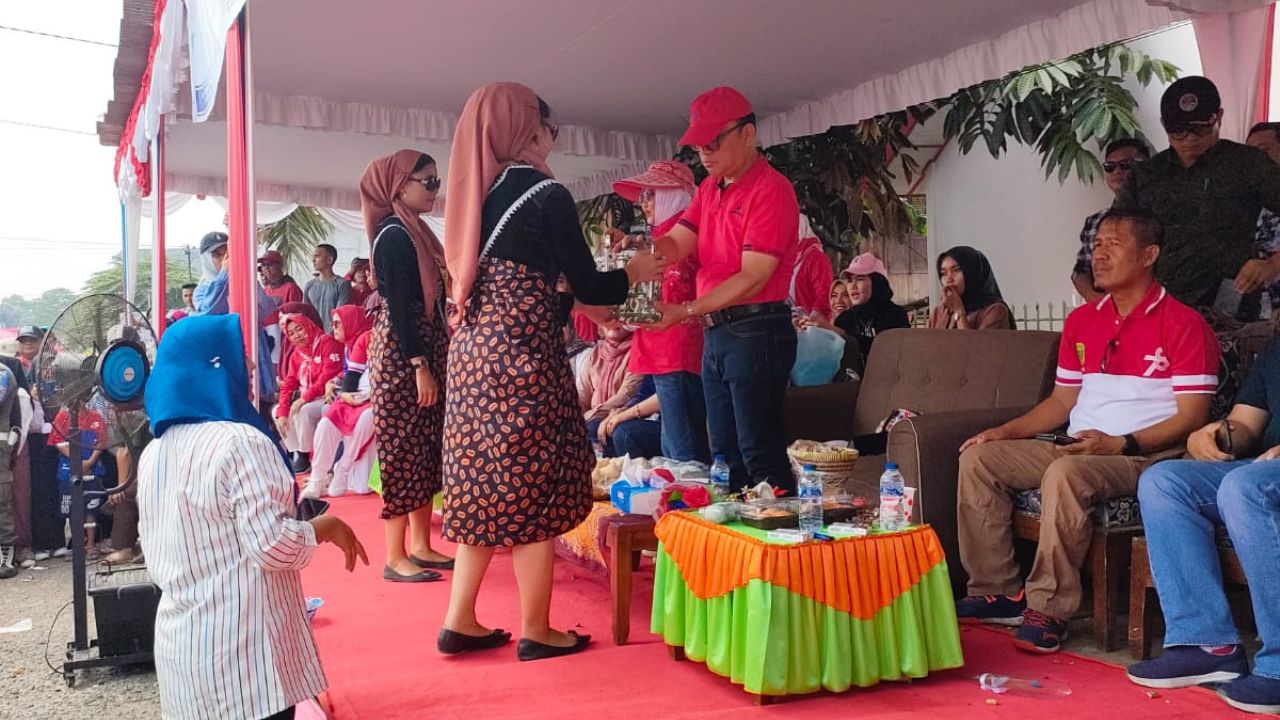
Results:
[1253, 694]
[336, 489]
[315, 487]
[301, 463]
[1040, 633]
[41, 556]
[7, 569]
[26, 560]
[1187, 665]
[992, 609]
[61, 552]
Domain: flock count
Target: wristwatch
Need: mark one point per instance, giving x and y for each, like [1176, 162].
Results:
[689, 314]
[1131, 446]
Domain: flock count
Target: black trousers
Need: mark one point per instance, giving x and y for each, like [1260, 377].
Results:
[47, 526]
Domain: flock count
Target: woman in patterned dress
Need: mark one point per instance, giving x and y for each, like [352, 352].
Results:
[406, 355]
[517, 461]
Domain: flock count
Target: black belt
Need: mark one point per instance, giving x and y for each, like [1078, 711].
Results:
[742, 312]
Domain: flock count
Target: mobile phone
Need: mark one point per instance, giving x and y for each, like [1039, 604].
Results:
[1057, 438]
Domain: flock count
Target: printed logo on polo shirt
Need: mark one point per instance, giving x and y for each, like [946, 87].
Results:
[736, 210]
[1159, 363]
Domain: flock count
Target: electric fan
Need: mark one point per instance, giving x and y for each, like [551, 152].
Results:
[92, 369]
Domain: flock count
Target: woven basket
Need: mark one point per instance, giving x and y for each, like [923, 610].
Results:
[834, 466]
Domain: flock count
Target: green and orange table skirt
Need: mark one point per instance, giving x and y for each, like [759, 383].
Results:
[784, 619]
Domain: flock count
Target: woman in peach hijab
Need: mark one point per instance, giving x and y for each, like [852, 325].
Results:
[516, 458]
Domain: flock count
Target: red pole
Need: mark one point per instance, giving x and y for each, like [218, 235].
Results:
[159, 259]
[1262, 108]
[239, 223]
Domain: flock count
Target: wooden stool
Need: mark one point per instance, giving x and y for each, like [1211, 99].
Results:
[625, 537]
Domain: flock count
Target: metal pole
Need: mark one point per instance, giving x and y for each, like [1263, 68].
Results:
[79, 581]
[159, 255]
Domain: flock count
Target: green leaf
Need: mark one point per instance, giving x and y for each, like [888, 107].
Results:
[1045, 82]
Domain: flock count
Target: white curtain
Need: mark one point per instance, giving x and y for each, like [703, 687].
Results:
[207, 25]
[343, 219]
[173, 202]
[267, 211]
[1232, 50]
[132, 220]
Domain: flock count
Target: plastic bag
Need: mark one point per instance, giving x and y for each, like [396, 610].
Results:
[818, 355]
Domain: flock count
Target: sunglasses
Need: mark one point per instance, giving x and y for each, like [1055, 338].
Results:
[554, 130]
[645, 195]
[1113, 165]
[714, 145]
[1198, 129]
[432, 183]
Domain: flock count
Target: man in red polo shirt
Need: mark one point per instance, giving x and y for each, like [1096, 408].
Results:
[1136, 372]
[279, 287]
[742, 225]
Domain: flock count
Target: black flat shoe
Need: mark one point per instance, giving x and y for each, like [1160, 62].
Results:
[449, 642]
[530, 650]
[389, 574]
[432, 564]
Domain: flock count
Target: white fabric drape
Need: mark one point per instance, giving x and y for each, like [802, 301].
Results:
[1232, 50]
[268, 211]
[207, 25]
[1079, 28]
[1210, 6]
[132, 219]
[173, 202]
[344, 219]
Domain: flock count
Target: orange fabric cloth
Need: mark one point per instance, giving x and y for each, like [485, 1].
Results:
[859, 576]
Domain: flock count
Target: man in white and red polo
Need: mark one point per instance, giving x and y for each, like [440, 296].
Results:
[1136, 372]
[743, 225]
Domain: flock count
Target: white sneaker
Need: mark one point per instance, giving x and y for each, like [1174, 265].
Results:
[336, 490]
[315, 487]
[42, 556]
[26, 560]
[61, 552]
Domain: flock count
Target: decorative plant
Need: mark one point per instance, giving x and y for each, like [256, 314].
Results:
[296, 236]
[1063, 109]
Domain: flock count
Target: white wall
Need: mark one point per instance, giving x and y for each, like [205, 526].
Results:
[1029, 227]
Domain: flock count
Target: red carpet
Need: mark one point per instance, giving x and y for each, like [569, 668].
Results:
[377, 640]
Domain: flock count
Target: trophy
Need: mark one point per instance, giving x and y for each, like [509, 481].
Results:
[641, 305]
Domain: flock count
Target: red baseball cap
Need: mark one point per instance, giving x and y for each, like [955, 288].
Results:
[271, 257]
[711, 111]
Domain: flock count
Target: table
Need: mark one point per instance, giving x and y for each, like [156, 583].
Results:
[784, 619]
[625, 537]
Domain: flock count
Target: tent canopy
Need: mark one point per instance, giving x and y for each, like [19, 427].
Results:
[338, 83]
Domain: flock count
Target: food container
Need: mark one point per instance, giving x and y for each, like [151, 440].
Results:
[838, 509]
[768, 515]
[721, 512]
[789, 535]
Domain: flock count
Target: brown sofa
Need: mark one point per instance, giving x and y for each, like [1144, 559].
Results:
[960, 382]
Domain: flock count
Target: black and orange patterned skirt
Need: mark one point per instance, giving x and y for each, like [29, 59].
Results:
[517, 463]
[409, 437]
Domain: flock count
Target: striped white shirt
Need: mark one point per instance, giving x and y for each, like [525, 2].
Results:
[216, 520]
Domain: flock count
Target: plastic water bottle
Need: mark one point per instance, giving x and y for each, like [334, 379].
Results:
[720, 476]
[892, 510]
[1001, 684]
[810, 491]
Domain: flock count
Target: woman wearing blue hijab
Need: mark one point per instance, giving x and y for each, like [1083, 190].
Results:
[216, 500]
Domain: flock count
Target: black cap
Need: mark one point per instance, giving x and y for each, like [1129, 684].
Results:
[211, 241]
[1188, 100]
[29, 331]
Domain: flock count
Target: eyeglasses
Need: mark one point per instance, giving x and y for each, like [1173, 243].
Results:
[1197, 129]
[1113, 165]
[646, 195]
[554, 130]
[714, 145]
[432, 183]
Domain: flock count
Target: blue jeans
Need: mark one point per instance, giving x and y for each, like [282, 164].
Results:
[1183, 501]
[745, 369]
[637, 438]
[684, 416]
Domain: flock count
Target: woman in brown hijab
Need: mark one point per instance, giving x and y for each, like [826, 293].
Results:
[407, 351]
[517, 462]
